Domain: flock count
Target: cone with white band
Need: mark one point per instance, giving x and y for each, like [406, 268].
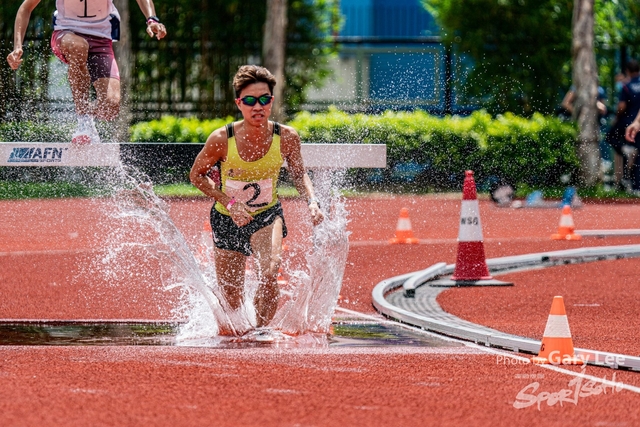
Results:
[404, 234]
[471, 264]
[557, 345]
[566, 228]
[206, 241]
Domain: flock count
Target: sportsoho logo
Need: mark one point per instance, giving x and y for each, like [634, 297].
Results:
[36, 155]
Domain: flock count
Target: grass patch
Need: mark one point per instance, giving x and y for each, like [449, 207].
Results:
[46, 190]
[177, 190]
[188, 190]
[595, 192]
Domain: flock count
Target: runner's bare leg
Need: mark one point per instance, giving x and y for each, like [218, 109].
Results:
[267, 250]
[107, 104]
[230, 267]
[76, 51]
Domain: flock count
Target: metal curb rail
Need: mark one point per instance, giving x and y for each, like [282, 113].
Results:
[411, 281]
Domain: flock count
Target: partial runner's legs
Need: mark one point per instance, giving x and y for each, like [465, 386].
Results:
[267, 250]
[107, 104]
[230, 270]
[76, 50]
[230, 267]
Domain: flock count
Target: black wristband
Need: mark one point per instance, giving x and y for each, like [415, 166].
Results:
[154, 19]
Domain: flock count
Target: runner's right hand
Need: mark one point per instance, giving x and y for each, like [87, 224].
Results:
[632, 131]
[15, 58]
[239, 213]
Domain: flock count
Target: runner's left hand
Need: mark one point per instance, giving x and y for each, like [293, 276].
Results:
[316, 214]
[157, 29]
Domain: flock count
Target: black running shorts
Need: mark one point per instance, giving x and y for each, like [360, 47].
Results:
[227, 235]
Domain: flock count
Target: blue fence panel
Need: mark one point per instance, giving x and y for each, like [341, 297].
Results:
[402, 18]
[358, 18]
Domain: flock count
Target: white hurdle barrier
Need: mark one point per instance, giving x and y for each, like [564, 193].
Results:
[330, 156]
[58, 154]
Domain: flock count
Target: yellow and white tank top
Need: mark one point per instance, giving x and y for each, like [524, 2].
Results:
[252, 183]
[90, 17]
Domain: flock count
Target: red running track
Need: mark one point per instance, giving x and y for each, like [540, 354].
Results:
[51, 250]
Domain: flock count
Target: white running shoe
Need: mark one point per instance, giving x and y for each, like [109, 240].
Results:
[86, 133]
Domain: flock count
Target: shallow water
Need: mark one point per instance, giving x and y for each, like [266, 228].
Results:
[68, 333]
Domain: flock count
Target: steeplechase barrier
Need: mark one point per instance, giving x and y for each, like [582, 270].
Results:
[39, 154]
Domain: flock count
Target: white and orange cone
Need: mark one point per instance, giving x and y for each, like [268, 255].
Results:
[471, 264]
[404, 234]
[557, 345]
[206, 240]
[567, 227]
[282, 281]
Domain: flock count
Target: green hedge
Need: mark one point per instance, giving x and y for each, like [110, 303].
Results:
[35, 132]
[536, 151]
[172, 129]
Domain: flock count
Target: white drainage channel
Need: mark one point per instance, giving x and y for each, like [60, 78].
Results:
[410, 281]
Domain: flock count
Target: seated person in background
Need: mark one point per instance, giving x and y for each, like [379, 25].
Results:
[570, 97]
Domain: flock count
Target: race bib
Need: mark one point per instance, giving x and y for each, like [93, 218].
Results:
[91, 10]
[256, 195]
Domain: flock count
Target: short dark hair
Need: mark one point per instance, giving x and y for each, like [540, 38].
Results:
[249, 74]
[632, 66]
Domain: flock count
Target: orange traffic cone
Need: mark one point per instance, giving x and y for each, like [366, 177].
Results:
[206, 239]
[557, 345]
[566, 228]
[403, 229]
[282, 281]
[471, 265]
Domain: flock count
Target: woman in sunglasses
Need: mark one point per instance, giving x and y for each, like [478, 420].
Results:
[239, 168]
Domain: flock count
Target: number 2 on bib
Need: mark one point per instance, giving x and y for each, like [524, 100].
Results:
[255, 195]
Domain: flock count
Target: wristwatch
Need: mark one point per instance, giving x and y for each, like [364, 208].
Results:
[313, 199]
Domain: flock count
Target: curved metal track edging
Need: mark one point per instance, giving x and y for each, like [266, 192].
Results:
[410, 281]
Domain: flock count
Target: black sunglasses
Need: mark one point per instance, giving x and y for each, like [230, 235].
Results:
[251, 100]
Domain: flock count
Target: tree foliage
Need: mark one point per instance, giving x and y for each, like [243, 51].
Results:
[189, 71]
[522, 48]
[519, 48]
[617, 36]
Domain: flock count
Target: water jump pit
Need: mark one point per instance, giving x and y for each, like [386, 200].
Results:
[144, 333]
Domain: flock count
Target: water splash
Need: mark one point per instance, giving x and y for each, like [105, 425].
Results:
[142, 223]
[316, 293]
[136, 207]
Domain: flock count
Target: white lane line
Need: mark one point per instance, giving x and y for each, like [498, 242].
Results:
[47, 252]
[604, 381]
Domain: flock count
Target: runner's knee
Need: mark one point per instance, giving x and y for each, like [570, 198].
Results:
[75, 49]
